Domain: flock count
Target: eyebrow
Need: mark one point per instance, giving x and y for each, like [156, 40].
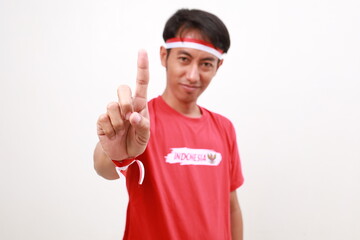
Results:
[212, 59]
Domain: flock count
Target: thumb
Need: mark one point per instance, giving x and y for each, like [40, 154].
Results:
[141, 126]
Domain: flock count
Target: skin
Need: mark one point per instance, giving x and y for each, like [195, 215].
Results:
[124, 129]
[188, 73]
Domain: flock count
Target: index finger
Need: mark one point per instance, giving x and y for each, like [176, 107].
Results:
[142, 79]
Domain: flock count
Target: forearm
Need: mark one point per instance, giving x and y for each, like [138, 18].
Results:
[103, 165]
[236, 218]
[236, 225]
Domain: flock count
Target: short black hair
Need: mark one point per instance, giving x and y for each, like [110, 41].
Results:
[209, 25]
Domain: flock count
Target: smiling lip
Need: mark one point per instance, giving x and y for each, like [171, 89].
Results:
[189, 87]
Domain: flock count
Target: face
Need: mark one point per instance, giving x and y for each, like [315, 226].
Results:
[189, 71]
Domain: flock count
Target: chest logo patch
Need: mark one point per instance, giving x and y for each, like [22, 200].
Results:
[189, 156]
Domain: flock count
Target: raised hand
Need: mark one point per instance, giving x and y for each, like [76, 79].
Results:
[124, 130]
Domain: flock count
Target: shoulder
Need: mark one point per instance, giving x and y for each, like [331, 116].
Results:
[219, 118]
[153, 103]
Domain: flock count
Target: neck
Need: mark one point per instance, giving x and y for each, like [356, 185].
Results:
[189, 109]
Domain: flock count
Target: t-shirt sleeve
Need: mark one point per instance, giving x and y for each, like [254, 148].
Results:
[236, 175]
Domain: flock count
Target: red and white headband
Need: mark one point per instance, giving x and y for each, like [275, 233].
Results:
[195, 44]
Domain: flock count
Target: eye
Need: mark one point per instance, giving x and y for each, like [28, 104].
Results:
[183, 59]
[207, 65]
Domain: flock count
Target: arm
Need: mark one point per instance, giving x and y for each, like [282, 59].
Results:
[236, 217]
[103, 164]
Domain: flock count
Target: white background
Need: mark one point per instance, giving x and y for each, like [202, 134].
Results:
[290, 84]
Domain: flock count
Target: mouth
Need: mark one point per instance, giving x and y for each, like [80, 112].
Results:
[189, 87]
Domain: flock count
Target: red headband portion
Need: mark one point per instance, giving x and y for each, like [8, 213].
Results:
[198, 41]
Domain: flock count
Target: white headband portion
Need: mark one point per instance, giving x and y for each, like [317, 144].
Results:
[195, 44]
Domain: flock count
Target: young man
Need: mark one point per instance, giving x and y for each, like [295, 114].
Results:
[183, 185]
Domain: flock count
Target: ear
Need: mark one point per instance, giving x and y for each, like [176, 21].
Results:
[219, 64]
[163, 56]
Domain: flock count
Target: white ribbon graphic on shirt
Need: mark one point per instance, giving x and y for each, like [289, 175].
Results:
[189, 156]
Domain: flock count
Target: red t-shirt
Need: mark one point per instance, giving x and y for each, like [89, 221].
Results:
[191, 166]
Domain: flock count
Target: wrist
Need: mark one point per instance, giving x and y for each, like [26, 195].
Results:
[122, 165]
[124, 162]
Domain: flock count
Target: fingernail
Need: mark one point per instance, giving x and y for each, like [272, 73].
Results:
[127, 116]
[137, 118]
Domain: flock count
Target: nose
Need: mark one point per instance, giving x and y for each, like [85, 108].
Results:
[193, 74]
